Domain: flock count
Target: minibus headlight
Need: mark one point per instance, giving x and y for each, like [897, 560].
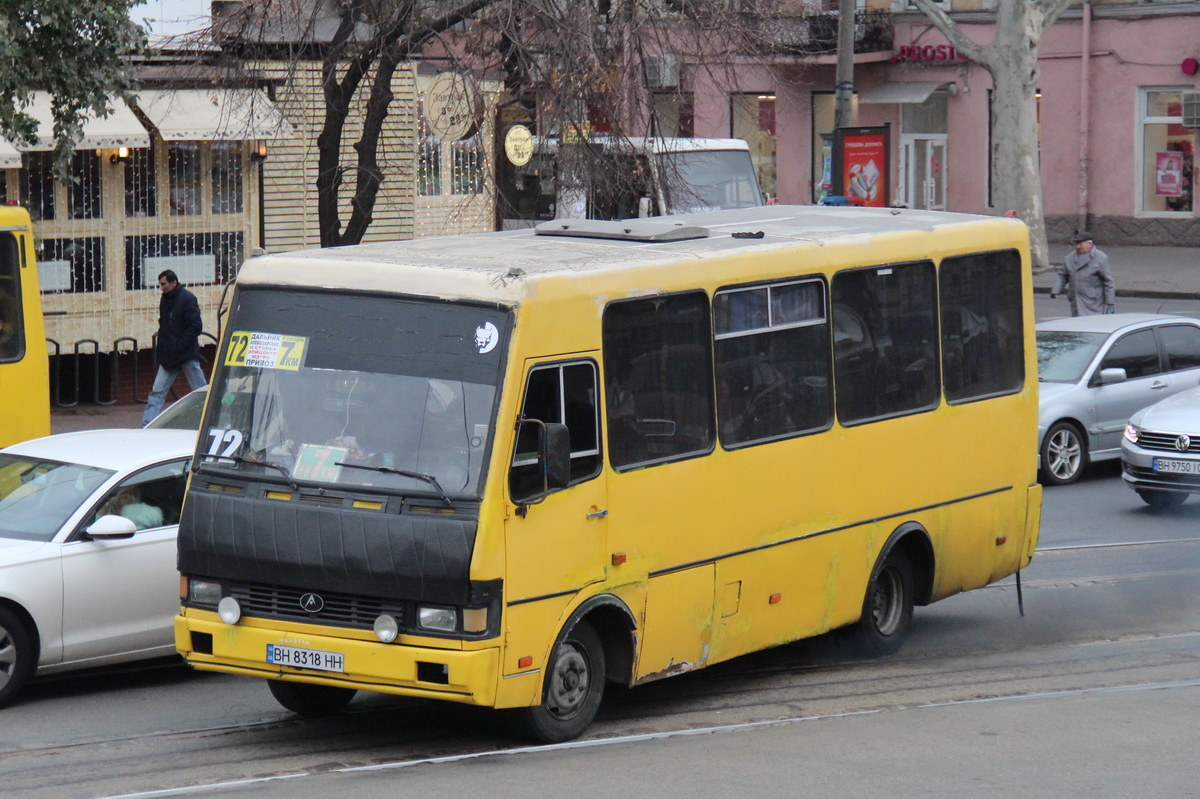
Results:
[441, 619]
[1131, 434]
[229, 610]
[204, 592]
[386, 628]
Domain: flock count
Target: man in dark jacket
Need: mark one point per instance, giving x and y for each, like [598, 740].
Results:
[178, 349]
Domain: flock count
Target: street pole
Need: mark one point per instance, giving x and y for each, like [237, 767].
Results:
[843, 111]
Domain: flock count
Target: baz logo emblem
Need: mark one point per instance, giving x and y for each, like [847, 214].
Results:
[312, 603]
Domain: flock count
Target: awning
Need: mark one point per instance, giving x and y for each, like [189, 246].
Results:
[213, 114]
[120, 128]
[899, 92]
[10, 157]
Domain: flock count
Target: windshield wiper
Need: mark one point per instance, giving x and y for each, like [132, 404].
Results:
[216, 460]
[428, 478]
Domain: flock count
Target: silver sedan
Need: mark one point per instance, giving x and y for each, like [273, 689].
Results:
[1096, 372]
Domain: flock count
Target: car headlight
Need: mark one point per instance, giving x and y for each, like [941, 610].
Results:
[441, 619]
[1131, 434]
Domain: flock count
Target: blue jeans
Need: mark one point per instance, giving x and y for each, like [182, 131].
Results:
[163, 381]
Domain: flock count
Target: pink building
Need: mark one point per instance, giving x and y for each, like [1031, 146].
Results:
[1125, 171]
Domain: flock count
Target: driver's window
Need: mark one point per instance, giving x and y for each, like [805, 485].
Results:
[151, 498]
[1136, 353]
[558, 394]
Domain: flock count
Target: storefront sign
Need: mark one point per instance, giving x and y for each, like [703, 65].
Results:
[927, 53]
[518, 145]
[1168, 176]
[861, 165]
[453, 106]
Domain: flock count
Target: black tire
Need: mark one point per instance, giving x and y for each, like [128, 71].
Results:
[1162, 500]
[888, 606]
[16, 656]
[573, 688]
[310, 700]
[1064, 454]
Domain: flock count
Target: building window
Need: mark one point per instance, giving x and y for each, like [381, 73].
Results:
[37, 185]
[672, 114]
[467, 162]
[1168, 152]
[752, 117]
[226, 173]
[183, 171]
[71, 266]
[141, 192]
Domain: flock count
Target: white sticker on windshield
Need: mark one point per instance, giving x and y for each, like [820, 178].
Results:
[486, 337]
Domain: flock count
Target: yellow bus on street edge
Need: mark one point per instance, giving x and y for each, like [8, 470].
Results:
[507, 469]
[24, 362]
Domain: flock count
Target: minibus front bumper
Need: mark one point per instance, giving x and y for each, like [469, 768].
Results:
[454, 675]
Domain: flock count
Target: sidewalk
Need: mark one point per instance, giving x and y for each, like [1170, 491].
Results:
[1156, 272]
[95, 417]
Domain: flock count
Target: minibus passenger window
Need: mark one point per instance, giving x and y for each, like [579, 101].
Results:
[773, 362]
[558, 394]
[885, 341]
[982, 352]
[658, 379]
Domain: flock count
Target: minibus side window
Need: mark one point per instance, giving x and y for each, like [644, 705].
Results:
[12, 332]
[885, 341]
[658, 379]
[982, 351]
[774, 371]
[558, 394]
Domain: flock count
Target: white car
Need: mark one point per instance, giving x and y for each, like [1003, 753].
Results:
[87, 550]
[1160, 454]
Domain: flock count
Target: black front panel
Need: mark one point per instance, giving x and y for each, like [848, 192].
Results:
[316, 547]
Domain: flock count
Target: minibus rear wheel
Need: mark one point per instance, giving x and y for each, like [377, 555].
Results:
[573, 689]
[888, 606]
[310, 700]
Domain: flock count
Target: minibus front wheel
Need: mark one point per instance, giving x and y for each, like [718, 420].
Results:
[573, 688]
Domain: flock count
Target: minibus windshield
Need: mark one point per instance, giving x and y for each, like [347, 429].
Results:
[360, 391]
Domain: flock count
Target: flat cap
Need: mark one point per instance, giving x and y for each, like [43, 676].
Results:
[1082, 235]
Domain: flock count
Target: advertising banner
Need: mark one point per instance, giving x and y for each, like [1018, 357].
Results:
[861, 165]
[1168, 179]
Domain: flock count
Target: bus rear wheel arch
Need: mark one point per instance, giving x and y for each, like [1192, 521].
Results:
[902, 577]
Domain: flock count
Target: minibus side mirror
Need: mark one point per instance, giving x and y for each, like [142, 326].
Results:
[556, 456]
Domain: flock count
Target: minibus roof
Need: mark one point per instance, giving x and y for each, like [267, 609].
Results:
[505, 266]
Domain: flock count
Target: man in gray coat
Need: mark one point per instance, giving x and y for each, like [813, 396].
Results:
[1086, 276]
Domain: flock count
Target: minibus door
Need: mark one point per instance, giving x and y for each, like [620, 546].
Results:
[557, 538]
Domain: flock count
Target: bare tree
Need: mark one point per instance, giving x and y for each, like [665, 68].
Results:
[586, 61]
[1012, 61]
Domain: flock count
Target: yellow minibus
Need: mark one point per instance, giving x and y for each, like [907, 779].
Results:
[507, 469]
[24, 362]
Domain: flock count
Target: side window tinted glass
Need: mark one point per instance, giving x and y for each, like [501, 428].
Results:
[1182, 346]
[558, 394]
[12, 332]
[151, 498]
[1136, 353]
[982, 353]
[773, 361]
[658, 379]
[885, 341]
